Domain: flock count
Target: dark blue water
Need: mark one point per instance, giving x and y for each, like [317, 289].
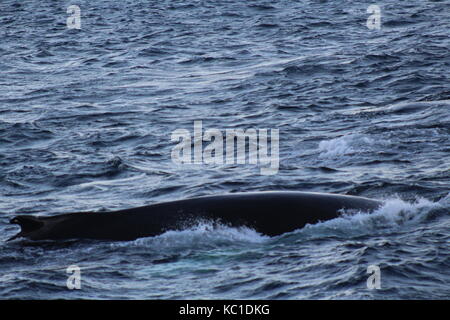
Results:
[86, 117]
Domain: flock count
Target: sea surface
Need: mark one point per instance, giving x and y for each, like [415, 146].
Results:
[86, 117]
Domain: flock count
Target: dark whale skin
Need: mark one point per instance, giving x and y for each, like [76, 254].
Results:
[269, 213]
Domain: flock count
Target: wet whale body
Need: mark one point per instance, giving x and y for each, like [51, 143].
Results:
[270, 213]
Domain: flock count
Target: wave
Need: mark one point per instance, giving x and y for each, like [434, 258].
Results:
[392, 216]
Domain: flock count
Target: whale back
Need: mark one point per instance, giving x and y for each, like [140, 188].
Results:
[270, 213]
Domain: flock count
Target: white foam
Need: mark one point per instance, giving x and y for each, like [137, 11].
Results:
[345, 145]
[200, 235]
[394, 213]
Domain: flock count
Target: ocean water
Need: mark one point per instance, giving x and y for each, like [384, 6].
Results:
[86, 117]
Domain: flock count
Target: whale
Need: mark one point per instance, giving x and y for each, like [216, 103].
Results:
[271, 213]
